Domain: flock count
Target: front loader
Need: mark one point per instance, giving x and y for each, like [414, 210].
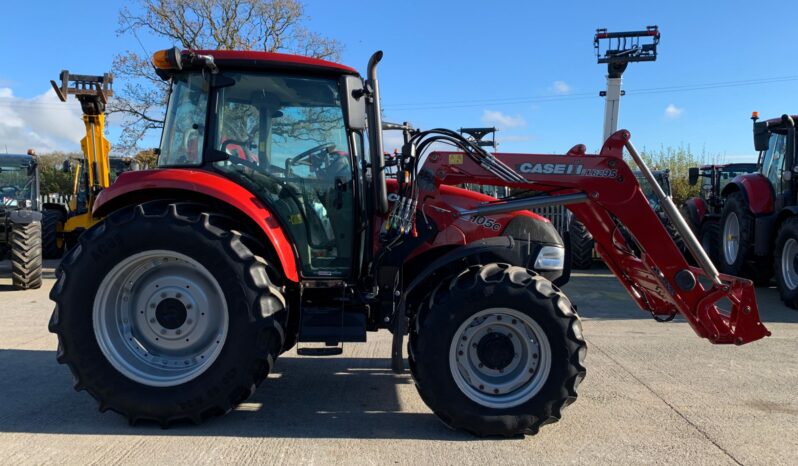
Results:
[268, 225]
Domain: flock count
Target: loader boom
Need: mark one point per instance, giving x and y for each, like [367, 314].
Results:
[603, 193]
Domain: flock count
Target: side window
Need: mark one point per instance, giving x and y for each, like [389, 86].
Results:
[239, 130]
[184, 128]
[773, 162]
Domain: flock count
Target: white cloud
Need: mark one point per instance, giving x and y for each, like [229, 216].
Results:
[490, 117]
[561, 88]
[42, 122]
[672, 112]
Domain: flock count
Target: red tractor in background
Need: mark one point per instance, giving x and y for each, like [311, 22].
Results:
[703, 212]
[203, 271]
[759, 227]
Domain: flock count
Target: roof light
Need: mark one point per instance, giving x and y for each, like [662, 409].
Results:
[169, 59]
[754, 116]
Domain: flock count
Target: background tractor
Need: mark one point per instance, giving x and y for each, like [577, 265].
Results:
[268, 225]
[20, 220]
[703, 212]
[758, 226]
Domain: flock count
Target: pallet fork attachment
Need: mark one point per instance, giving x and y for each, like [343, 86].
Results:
[603, 193]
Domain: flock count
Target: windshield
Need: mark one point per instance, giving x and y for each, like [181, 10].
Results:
[184, 127]
[286, 141]
[16, 186]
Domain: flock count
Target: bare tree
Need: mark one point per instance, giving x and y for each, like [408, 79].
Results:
[269, 25]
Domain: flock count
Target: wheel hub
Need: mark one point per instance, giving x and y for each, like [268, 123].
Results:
[496, 351]
[171, 313]
[160, 318]
[500, 357]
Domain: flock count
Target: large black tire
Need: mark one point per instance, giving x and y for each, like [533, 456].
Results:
[709, 237]
[581, 244]
[786, 262]
[52, 221]
[26, 255]
[745, 263]
[256, 312]
[455, 301]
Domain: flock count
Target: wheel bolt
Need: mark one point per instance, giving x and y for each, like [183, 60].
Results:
[178, 296]
[498, 317]
[163, 331]
[531, 371]
[515, 321]
[496, 390]
[189, 321]
[482, 387]
[459, 353]
[189, 306]
[152, 321]
[465, 338]
[178, 332]
[152, 306]
[163, 295]
[480, 365]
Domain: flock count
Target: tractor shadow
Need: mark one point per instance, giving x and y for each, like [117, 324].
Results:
[343, 397]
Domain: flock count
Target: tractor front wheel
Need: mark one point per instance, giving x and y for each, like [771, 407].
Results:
[497, 350]
[786, 262]
[736, 256]
[163, 313]
[581, 245]
[52, 227]
[708, 235]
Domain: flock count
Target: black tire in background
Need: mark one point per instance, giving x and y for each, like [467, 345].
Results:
[26, 255]
[256, 312]
[785, 261]
[477, 289]
[581, 245]
[709, 237]
[52, 221]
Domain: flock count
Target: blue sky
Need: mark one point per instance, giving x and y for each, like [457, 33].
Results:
[462, 63]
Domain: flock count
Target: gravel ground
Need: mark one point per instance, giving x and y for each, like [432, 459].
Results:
[654, 394]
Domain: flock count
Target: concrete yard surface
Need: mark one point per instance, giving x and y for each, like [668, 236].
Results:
[654, 394]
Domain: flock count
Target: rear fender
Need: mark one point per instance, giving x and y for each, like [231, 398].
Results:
[696, 209]
[141, 186]
[757, 190]
[24, 217]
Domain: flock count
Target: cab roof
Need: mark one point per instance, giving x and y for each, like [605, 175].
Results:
[271, 60]
[15, 159]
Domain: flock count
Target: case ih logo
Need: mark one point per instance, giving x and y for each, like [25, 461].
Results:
[565, 169]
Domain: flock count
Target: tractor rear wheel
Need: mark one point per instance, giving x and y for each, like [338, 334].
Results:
[52, 222]
[786, 262]
[26, 255]
[497, 350]
[164, 314]
[709, 236]
[581, 243]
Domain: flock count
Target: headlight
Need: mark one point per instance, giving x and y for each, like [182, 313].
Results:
[550, 258]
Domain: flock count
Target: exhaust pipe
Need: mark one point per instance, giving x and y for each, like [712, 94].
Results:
[374, 112]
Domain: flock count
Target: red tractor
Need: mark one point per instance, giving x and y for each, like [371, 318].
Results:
[270, 224]
[759, 227]
[703, 212]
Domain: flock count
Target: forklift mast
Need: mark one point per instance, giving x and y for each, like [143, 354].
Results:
[617, 50]
[92, 92]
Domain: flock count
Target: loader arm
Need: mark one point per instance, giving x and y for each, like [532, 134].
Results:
[604, 194]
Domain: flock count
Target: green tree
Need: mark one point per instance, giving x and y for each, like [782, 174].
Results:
[52, 178]
[678, 160]
[268, 25]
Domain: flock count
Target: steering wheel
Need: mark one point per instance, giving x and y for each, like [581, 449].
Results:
[241, 144]
[296, 160]
[245, 162]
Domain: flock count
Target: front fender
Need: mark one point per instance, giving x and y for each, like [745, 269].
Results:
[140, 186]
[24, 217]
[757, 191]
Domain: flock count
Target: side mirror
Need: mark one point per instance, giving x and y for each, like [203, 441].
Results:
[354, 102]
[692, 176]
[761, 136]
[66, 167]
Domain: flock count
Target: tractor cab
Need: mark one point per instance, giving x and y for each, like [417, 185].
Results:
[19, 183]
[775, 140]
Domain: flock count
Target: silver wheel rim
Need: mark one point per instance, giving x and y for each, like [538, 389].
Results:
[788, 270]
[731, 238]
[500, 386]
[160, 318]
